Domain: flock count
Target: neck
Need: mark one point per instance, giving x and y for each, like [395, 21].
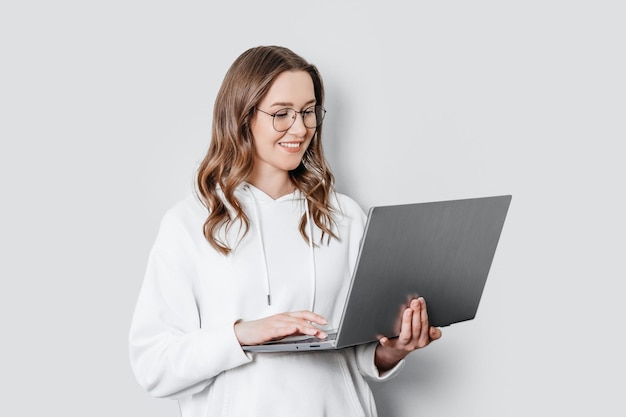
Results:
[273, 187]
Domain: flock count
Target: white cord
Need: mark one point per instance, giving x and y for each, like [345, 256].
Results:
[312, 249]
[257, 222]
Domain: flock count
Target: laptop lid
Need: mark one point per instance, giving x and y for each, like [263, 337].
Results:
[441, 251]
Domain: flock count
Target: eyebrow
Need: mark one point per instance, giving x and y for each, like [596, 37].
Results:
[286, 104]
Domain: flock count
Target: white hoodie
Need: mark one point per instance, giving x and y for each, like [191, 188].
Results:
[182, 342]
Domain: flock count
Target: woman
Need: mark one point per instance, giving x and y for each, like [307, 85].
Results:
[263, 250]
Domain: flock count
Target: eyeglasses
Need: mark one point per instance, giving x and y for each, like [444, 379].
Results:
[285, 118]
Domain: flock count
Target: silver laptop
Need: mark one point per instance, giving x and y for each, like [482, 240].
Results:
[441, 251]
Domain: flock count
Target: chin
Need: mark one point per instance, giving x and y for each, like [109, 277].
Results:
[292, 168]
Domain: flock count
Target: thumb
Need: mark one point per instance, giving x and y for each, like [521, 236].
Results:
[434, 333]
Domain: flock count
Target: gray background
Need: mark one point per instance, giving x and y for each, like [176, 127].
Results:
[105, 112]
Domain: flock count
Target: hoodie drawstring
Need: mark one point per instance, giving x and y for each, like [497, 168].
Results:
[312, 249]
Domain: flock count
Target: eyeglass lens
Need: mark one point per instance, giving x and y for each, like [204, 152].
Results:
[311, 116]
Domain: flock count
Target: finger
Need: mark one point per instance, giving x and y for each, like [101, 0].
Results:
[406, 330]
[309, 315]
[284, 325]
[422, 329]
[313, 331]
[417, 318]
[302, 324]
[425, 334]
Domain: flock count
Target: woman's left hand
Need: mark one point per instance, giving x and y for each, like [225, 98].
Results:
[415, 333]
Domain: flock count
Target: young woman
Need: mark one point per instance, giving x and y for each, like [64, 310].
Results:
[264, 249]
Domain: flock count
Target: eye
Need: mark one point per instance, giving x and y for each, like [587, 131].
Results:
[282, 114]
[308, 111]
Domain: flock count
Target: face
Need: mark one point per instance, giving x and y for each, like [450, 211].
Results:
[280, 152]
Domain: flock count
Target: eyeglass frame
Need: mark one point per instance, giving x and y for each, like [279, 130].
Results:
[301, 112]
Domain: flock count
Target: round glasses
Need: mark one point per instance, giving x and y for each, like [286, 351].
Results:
[285, 118]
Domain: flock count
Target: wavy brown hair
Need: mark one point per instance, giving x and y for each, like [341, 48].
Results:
[230, 157]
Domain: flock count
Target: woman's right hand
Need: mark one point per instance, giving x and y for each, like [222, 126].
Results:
[255, 332]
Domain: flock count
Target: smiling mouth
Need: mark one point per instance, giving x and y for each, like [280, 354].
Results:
[290, 144]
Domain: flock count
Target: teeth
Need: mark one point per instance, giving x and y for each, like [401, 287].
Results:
[290, 145]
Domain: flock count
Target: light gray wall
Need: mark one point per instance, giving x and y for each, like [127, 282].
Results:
[105, 112]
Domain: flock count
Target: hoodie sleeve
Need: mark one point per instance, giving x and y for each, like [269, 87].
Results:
[171, 353]
[367, 367]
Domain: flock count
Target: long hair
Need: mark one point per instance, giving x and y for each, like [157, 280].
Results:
[230, 157]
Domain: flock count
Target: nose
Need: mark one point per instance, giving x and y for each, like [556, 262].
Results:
[298, 128]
